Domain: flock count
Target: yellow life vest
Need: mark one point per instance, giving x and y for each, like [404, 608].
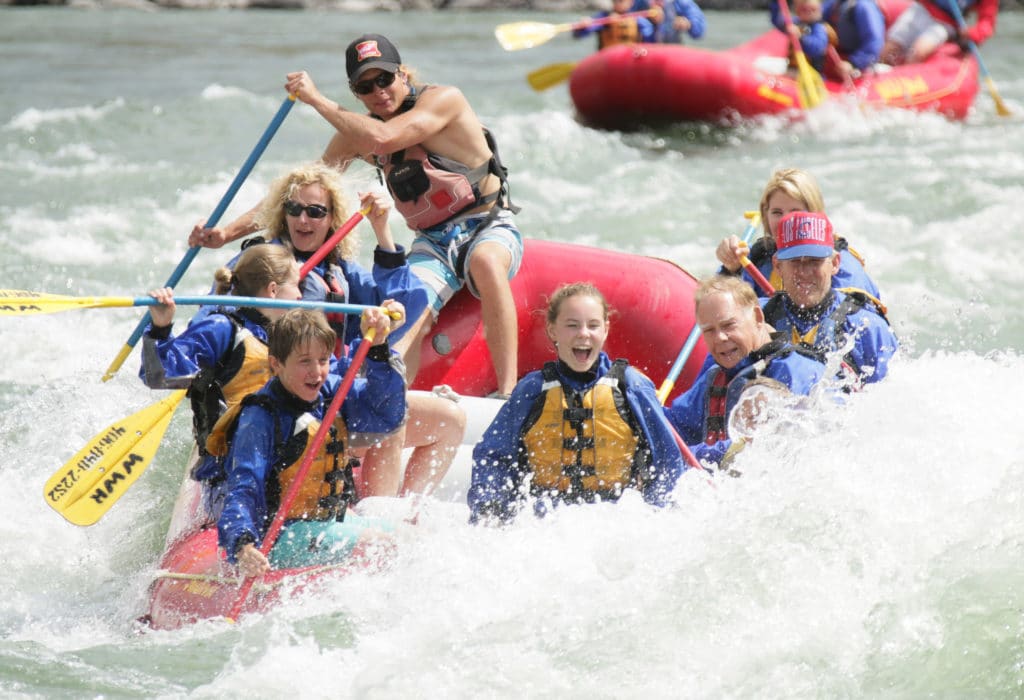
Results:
[249, 367]
[243, 371]
[328, 485]
[625, 31]
[582, 444]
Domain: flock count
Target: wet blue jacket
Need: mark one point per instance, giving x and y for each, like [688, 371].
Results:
[689, 412]
[172, 362]
[665, 33]
[874, 343]
[814, 38]
[375, 404]
[860, 26]
[500, 463]
[391, 278]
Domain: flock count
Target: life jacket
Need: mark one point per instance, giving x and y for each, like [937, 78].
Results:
[328, 487]
[724, 392]
[624, 31]
[331, 286]
[830, 332]
[430, 190]
[582, 445]
[242, 371]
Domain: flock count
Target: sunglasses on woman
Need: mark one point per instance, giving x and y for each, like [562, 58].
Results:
[365, 87]
[313, 211]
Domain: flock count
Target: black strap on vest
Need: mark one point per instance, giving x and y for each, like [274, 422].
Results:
[205, 393]
[575, 415]
[289, 448]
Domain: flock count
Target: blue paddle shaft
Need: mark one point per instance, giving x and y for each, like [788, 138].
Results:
[222, 206]
[258, 302]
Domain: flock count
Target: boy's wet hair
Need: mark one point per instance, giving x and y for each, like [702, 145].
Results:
[296, 328]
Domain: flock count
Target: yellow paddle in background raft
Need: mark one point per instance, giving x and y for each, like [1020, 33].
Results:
[1001, 109]
[525, 35]
[90, 482]
[550, 75]
[811, 90]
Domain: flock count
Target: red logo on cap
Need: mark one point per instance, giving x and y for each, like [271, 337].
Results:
[368, 49]
[805, 229]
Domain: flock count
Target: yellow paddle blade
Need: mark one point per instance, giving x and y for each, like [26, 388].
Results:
[525, 35]
[550, 75]
[810, 87]
[88, 484]
[18, 302]
[1001, 109]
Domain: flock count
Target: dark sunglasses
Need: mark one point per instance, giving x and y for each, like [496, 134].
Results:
[313, 211]
[365, 87]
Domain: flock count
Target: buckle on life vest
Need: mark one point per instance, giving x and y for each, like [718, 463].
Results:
[446, 234]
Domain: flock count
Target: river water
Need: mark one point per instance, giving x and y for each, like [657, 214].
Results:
[876, 556]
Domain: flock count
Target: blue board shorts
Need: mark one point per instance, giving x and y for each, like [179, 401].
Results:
[434, 253]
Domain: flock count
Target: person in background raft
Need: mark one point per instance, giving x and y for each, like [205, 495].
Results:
[221, 357]
[741, 348]
[860, 33]
[677, 17]
[266, 437]
[442, 167]
[813, 313]
[628, 30]
[582, 429]
[790, 190]
[926, 25]
[814, 34]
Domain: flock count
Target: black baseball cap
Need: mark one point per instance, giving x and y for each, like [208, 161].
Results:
[371, 51]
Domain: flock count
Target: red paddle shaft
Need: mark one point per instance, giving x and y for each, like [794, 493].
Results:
[293, 490]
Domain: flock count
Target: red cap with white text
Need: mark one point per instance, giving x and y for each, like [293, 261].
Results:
[804, 234]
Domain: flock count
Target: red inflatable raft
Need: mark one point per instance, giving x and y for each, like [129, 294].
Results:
[652, 298]
[653, 304]
[630, 86]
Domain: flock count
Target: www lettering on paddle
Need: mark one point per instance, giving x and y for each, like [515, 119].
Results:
[109, 486]
[86, 462]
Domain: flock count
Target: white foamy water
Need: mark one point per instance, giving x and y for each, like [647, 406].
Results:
[870, 551]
